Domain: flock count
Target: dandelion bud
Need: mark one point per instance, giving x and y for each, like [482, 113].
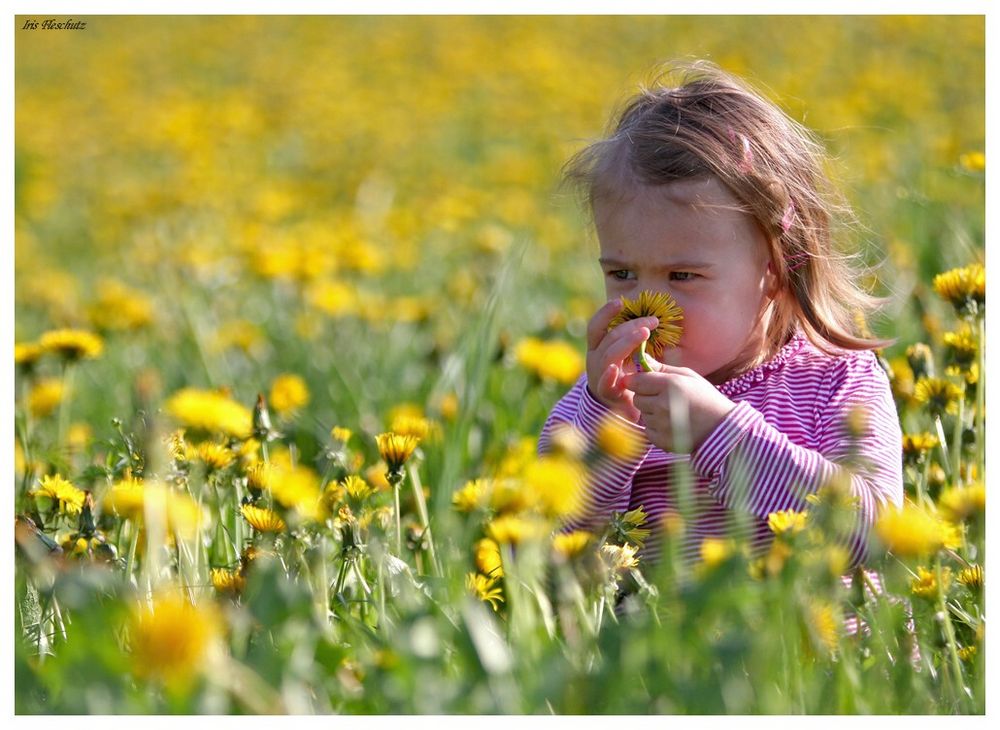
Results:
[921, 360]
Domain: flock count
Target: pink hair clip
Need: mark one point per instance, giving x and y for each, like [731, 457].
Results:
[797, 260]
[788, 217]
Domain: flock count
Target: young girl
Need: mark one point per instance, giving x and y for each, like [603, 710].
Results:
[709, 193]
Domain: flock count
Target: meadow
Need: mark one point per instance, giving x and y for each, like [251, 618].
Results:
[294, 297]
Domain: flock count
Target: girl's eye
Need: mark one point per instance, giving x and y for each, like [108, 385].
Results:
[621, 274]
[681, 275]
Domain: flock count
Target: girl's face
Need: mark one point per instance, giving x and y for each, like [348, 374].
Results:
[689, 239]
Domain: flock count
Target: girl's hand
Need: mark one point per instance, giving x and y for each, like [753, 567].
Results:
[608, 357]
[655, 392]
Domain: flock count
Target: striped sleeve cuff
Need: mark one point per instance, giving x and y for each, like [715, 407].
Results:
[708, 458]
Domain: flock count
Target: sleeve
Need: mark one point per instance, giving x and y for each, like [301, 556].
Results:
[752, 465]
[608, 482]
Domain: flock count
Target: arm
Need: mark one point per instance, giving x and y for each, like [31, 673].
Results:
[754, 466]
[608, 484]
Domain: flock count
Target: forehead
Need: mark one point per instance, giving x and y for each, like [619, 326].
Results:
[692, 215]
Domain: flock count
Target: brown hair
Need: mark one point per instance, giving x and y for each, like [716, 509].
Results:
[713, 124]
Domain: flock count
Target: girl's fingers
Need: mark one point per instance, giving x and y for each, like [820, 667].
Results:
[597, 328]
[622, 346]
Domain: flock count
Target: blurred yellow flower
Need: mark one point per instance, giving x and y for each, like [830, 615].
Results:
[119, 307]
[262, 519]
[288, 393]
[787, 522]
[472, 496]
[715, 551]
[973, 161]
[566, 440]
[960, 503]
[487, 557]
[71, 344]
[213, 455]
[45, 396]
[79, 435]
[357, 488]
[514, 529]
[618, 440]
[925, 585]
[558, 361]
[341, 434]
[557, 485]
[912, 531]
[916, 445]
[60, 493]
[485, 589]
[570, 544]
[26, 354]
[296, 487]
[823, 623]
[967, 653]
[407, 425]
[210, 411]
[171, 639]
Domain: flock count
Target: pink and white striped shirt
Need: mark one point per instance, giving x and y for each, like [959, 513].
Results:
[784, 440]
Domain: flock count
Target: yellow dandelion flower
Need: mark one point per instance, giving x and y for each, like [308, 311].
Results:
[238, 334]
[925, 585]
[395, 450]
[619, 558]
[916, 445]
[921, 360]
[787, 522]
[45, 396]
[376, 476]
[959, 503]
[171, 639]
[262, 519]
[552, 361]
[228, 581]
[974, 161]
[210, 411]
[126, 498]
[341, 434]
[556, 483]
[823, 624]
[961, 347]
[715, 551]
[119, 307]
[487, 557]
[901, 378]
[938, 394]
[964, 288]
[973, 577]
[448, 407]
[661, 305]
[514, 529]
[472, 496]
[485, 589]
[60, 493]
[289, 393]
[357, 488]
[570, 544]
[213, 455]
[618, 439]
[79, 436]
[71, 344]
[912, 531]
[26, 354]
[407, 425]
[298, 488]
[184, 515]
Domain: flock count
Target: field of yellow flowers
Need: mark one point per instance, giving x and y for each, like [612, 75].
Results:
[293, 299]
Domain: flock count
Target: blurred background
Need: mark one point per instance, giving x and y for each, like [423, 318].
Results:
[228, 198]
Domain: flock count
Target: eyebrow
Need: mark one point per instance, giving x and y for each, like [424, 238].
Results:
[670, 265]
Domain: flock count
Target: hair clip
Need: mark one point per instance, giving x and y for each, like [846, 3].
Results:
[797, 260]
[788, 217]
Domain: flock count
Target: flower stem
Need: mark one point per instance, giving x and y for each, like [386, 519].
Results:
[956, 444]
[945, 458]
[949, 633]
[979, 421]
[644, 361]
[418, 494]
[399, 528]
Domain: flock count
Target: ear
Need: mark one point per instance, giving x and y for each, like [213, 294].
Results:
[771, 280]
